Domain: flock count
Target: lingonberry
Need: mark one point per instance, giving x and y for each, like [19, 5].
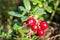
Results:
[31, 21]
[39, 21]
[39, 27]
[40, 32]
[44, 25]
[34, 27]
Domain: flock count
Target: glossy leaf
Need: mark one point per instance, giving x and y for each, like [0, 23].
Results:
[45, 3]
[35, 1]
[38, 11]
[24, 18]
[41, 11]
[49, 9]
[25, 38]
[34, 37]
[40, 4]
[16, 27]
[27, 4]
[14, 13]
[22, 32]
[22, 10]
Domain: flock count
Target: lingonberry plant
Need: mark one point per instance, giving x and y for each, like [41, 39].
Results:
[32, 16]
[27, 19]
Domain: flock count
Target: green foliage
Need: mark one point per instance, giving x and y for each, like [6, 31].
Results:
[25, 38]
[16, 27]
[27, 4]
[34, 37]
[38, 10]
[49, 9]
[14, 13]
[22, 32]
[22, 9]
[24, 18]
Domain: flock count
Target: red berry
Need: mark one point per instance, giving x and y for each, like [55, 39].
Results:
[39, 21]
[44, 25]
[34, 27]
[39, 27]
[31, 21]
[40, 32]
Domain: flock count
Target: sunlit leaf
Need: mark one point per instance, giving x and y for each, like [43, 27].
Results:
[49, 9]
[22, 32]
[41, 11]
[34, 37]
[16, 27]
[8, 33]
[25, 38]
[34, 1]
[14, 13]
[45, 4]
[22, 10]
[38, 11]
[24, 18]
[27, 4]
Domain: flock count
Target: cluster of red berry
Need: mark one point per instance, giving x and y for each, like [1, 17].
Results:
[37, 26]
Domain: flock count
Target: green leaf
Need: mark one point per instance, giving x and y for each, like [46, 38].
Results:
[27, 4]
[22, 10]
[41, 11]
[16, 27]
[34, 1]
[3, 34]
[14, 13]
[22, 32]
[40, 4]
[49, 9]
[45, 3]
[8, 34]
[24, 18]
[34, 37]
[25, 38]
[38, 11]
[34, 10]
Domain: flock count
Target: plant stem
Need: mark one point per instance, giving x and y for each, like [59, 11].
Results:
[55, 7]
